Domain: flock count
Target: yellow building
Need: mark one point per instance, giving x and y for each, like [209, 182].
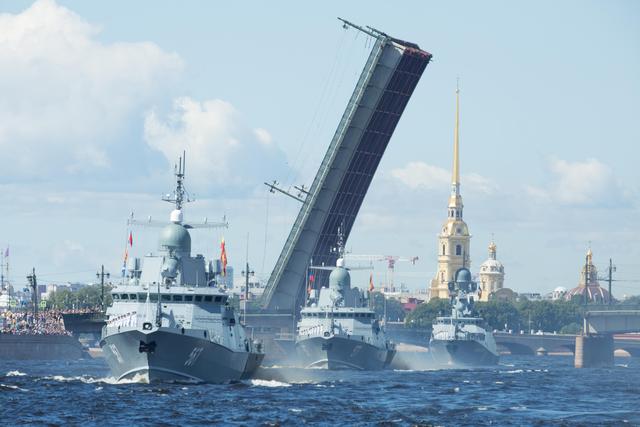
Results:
[454, 238]
[491, 274]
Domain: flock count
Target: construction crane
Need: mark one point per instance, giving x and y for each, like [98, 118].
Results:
[391, 263]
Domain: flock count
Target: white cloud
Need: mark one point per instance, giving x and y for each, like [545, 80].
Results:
[586, 183]
[263, 136]
[223, 153]
[66, 96]
[66, 251]
[419, 174]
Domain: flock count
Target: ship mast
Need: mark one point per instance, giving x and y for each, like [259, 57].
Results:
[179, 196]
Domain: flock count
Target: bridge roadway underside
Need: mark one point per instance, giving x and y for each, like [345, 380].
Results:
[385, 86]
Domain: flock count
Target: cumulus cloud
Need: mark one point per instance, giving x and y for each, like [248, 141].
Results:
[586, 183]
[66, 96]
[420, 175]
[223, 153]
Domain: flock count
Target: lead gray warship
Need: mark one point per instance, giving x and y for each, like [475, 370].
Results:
[462, 339]
[337, 330]
[169, 321]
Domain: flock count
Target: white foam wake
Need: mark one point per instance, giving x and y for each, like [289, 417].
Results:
[11, 387]
[137, 378]
[15, 374]
[269, 383]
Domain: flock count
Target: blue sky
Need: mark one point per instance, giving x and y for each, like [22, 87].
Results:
[98, 99]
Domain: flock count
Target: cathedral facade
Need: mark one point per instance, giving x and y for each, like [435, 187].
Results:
[491, 274]
[454, 238]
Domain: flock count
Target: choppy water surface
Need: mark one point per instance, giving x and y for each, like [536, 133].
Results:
[521, 391]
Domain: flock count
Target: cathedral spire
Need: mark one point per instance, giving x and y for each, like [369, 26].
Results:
[455, 199]
[455, 177]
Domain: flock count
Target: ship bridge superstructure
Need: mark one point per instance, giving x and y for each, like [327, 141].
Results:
[382, 92]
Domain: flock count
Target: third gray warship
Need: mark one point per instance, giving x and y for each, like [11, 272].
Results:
[169, 321]
[462, 339]
[337, 329]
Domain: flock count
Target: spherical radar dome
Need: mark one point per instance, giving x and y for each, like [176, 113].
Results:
[463, 276]
[176, 237]
[340, 278]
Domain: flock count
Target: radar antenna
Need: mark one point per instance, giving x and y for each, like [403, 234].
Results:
[339, 249]
[179, 195]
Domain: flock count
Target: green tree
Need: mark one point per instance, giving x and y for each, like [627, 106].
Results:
[395, 310]
[571, 328]
[499, 315]
[548, 316]
[85, 297]
[425, 313]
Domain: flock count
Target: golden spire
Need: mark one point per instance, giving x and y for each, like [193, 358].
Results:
[455, 199]
[455, 178]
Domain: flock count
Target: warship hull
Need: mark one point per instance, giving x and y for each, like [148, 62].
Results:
[342, 353]
[166, 354]
[461, 353]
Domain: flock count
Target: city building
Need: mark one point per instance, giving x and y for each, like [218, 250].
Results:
[454, 238]
[588, 285]
[557, 294]
[491, 274]
[529, 296]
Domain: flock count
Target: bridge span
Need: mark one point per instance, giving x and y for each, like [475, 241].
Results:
[612, 321]
[525, 344]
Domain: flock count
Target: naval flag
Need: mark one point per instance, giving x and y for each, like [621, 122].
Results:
[312, 279]
[223, 258]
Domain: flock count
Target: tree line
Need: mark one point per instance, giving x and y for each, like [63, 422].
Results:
[548, 316]
[85, 297]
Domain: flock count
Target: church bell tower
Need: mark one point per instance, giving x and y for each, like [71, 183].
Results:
[454, 238]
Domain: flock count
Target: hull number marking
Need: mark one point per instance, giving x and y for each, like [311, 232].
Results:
[193, 356]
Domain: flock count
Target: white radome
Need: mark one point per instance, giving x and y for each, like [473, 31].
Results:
[176, 216]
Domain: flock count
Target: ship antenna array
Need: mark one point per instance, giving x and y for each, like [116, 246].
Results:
[180, 195]
[339, 249]
[367, 30]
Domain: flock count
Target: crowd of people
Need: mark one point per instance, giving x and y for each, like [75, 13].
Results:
[47, 322]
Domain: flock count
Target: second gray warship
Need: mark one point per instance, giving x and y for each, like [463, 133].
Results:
[462, 339]
[337, 330]
[169, 321]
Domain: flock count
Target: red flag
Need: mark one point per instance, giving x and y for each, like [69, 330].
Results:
[371, 282]
[223, 258]
[131, 238]
[312, 278]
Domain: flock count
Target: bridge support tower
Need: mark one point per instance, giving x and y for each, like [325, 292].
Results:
[594, 350]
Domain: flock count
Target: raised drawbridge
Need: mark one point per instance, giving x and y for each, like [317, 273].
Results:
[382, 92]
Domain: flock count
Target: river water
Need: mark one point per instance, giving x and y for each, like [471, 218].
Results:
[522, 390]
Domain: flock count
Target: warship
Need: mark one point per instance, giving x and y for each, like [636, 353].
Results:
[169, 320]
[462, 339]
[337, 330]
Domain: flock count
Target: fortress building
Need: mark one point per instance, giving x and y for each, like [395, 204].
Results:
[491, 274]
[454, 238]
